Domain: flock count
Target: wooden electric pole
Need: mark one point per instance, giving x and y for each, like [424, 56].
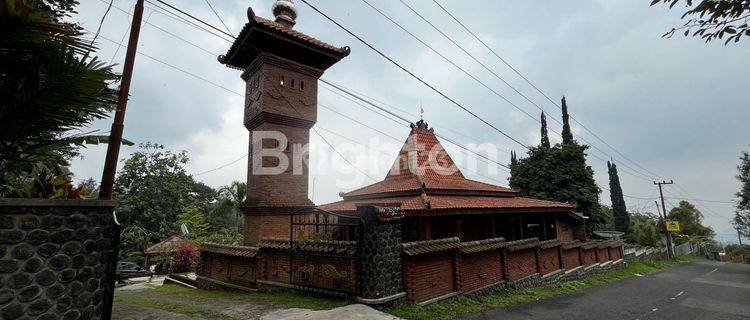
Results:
[113, 152]
[664, 219]
[115, 135]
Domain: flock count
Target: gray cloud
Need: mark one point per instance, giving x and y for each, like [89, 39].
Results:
[677, 106]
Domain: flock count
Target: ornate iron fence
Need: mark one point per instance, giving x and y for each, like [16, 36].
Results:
[324, 251]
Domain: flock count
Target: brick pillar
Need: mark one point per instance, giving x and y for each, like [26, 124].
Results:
[380, 268]
[580, 257]
[504, 261]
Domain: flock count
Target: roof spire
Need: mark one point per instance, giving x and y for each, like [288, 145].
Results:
[285, 12]
[421, 125]
[421, 111]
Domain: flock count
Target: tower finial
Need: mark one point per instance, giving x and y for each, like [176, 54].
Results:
[421, 111]
[285, 12]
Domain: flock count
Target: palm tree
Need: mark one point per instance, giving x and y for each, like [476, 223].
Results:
[233, 198]
[49, 87]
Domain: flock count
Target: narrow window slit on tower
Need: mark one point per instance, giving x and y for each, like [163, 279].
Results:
[282, 80]
[301, 85]
[292, 83]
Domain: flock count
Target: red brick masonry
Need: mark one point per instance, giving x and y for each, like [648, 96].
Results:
[435, 268]
[431, 268]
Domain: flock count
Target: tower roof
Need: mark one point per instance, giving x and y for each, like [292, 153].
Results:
[279, 38]
[424, 178]
[423, 165]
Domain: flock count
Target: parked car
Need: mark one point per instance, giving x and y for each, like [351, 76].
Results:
[130, 270]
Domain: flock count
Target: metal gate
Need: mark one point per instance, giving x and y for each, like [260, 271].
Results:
[325, 251]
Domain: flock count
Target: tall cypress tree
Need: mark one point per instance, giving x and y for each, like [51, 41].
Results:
[559, 173]
[619, 211]
[545, 136]
[567, 135]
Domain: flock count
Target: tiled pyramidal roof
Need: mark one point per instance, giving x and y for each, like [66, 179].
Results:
[424, 177]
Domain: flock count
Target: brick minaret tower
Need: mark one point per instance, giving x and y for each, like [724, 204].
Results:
[281, 67]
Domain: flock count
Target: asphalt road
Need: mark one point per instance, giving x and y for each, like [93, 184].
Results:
[697, 290]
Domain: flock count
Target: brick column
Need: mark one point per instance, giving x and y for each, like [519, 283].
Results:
[504, 261]
[379, 268]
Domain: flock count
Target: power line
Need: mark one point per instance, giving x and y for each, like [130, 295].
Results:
[181, 70]
[472, 56]
[413, 75]
[409, 122]
[358, 38]
[182, 20]
[205, 23]
[222, 166]
[98, 29]
[194, 18]
[239, 94]
[452, 62]
[537, 88]
[645, 178]
[220, 20]
[485, 158]
[165, 31]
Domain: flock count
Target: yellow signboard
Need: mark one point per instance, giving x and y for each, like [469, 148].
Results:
[673, 225]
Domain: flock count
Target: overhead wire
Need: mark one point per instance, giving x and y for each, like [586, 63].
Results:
[457, 45]
[413, 75]
[352, 34]
[537, 88]
[220, 19]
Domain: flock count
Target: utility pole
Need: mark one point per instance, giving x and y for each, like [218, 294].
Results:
[115, 135]
[664, 209]
[113, 152]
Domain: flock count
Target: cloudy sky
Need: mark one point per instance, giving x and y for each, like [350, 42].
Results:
[676, 107]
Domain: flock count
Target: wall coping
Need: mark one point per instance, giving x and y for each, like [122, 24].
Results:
[36, 202]
[522, 244]
[615, 244]
[589, 245]
[427, 246]
[482, 245]
[229, 250]
[549, 244]
[571, 245]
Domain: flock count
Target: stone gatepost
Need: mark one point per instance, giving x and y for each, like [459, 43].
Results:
[380, 269]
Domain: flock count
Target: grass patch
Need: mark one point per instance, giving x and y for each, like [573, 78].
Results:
[462, 305]
[281, 298]
[171, 306]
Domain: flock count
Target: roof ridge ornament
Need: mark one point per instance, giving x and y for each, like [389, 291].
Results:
[421, 125]
[285, 13]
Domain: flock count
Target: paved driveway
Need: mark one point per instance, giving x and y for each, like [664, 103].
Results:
[697, 290]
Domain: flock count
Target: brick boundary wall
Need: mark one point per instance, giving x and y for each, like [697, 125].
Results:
[245, 266]
[434, 269]
[445, 267]
[54, 256]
